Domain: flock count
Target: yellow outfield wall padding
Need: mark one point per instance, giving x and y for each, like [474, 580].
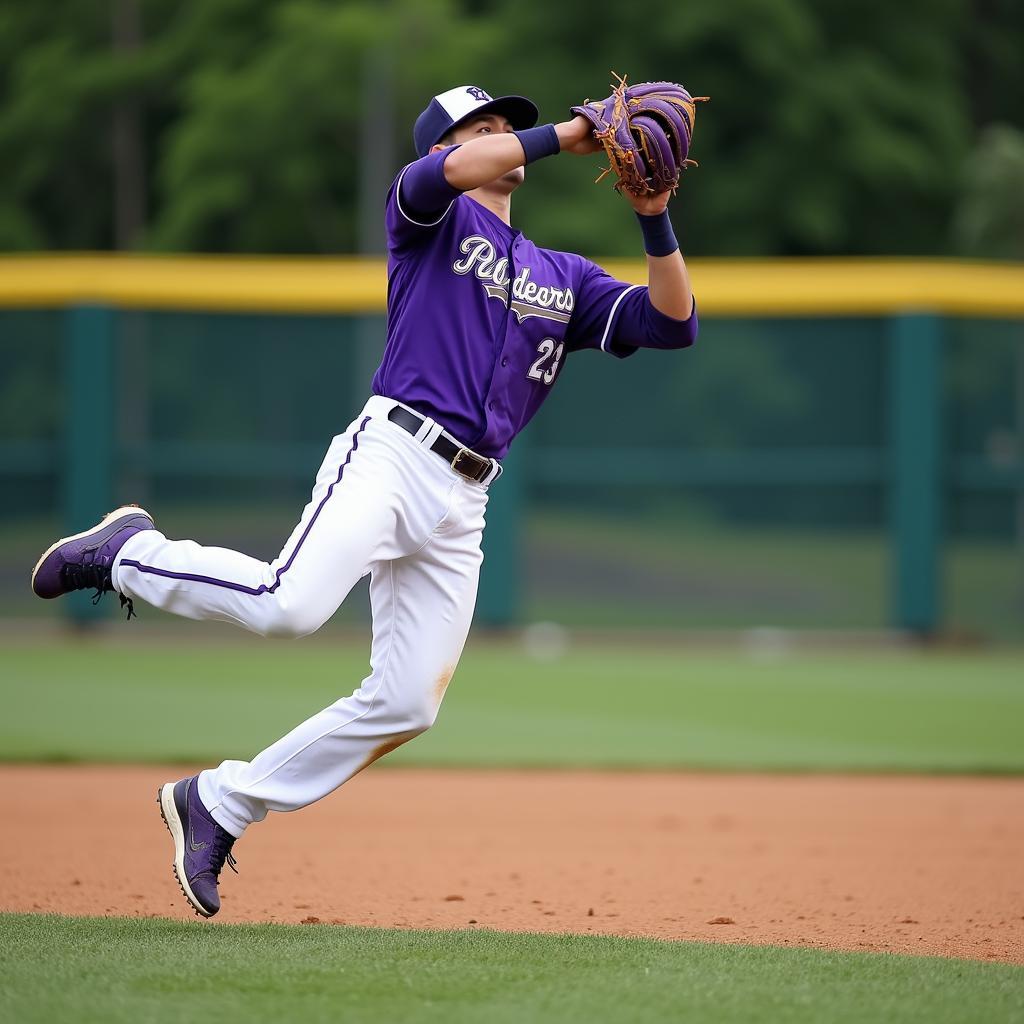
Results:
[724, 287]
[256, 284]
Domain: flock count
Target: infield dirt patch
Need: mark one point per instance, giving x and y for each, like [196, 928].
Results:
[907, 865]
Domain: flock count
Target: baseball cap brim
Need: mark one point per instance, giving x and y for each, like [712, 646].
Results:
[521, 112]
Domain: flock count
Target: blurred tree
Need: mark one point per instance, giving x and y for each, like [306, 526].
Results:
[234, 125]
[128, 154]
[830, 129]
[257, 159]
[993, 41]
[48, 75]
[989, 224]
[989, 218]
[265, 153]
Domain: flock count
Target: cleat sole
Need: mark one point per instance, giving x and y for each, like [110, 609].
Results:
[168, 811]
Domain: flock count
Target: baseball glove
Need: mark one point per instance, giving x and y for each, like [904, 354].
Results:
[645, 130]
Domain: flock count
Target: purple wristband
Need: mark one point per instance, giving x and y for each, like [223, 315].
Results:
[539, 142]
[659, 238]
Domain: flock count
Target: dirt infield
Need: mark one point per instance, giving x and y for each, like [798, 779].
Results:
[907, 865]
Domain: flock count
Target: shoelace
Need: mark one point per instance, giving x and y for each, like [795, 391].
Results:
[84, 577]
[126, 602]
[221, 852]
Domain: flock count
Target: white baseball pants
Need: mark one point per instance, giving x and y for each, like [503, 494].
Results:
[383, 504]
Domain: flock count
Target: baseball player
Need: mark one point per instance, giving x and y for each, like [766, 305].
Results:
[481, 322]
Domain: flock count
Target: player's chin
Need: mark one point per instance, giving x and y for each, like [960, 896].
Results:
[515, 177]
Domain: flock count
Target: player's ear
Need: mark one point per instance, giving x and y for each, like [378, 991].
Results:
[443, 143]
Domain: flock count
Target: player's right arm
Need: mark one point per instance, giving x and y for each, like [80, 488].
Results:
[426, 188]
[422, 195]
[486, 158]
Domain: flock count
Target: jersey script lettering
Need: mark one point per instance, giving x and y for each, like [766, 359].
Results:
[529, 298]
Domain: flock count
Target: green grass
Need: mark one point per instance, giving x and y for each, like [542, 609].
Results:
[112, 970]
[623, 705]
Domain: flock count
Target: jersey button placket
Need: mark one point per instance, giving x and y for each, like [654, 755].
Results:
[509, 324]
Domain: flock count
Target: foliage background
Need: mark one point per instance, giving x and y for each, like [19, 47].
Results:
[245, 126]
[269, 125]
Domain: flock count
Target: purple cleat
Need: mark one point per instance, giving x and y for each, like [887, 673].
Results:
[201, 846]
[84, 560]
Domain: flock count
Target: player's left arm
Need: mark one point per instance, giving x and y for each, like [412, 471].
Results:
[664, 314]
[619, 318]
[668, 281]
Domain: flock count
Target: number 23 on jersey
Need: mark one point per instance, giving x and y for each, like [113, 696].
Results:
[545, 366]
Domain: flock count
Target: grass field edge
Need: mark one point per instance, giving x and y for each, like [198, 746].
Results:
[466, 935]
[923, 770]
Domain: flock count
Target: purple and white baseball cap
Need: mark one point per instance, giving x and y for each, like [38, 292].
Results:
[464, 101]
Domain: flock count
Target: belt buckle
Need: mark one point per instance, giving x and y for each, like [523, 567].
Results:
[473, 458]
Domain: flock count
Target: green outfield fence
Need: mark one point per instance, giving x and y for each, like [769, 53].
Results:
[843, 447]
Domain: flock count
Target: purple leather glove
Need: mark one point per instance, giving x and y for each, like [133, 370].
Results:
[646, 131]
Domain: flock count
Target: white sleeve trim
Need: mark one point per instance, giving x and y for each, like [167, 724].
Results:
[418, 223]
[611, 315]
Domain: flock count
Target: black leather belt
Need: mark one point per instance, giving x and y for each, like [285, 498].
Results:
[464, 461]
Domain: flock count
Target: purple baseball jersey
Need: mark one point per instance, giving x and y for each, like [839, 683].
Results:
[481, 320]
